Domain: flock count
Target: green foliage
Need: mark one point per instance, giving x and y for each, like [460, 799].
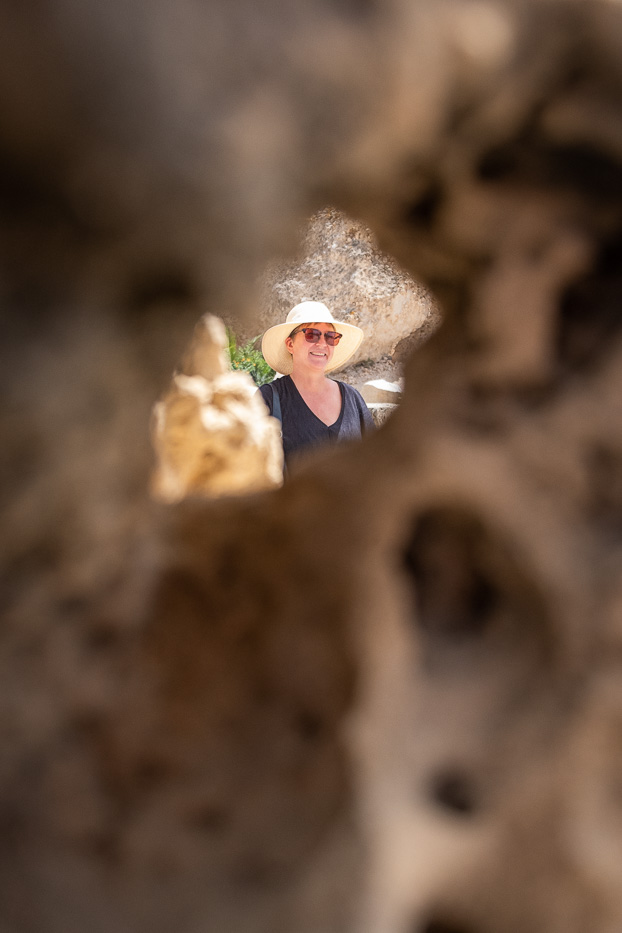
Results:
[249, 360]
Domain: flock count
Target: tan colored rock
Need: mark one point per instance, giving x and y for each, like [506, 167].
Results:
[380, 411]
[380, 390]
[387, 696]
[211, 432]
[341, 265]
[207, 353]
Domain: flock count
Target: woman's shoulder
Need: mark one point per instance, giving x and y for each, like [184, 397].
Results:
[359, 404]
[350, 391]
[280, 386]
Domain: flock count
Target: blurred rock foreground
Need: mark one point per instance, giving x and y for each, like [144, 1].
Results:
[211, 432]
[384, 698]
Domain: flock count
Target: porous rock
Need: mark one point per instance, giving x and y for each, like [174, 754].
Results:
[211, 431]
[387, 695]
[341, 265]
[380, 411]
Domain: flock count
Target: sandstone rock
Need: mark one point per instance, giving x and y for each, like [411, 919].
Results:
[379, 390]
[404, 348]
[207, 355]
[380, 411]
[211, 432]
[387, 696]
[341, 265]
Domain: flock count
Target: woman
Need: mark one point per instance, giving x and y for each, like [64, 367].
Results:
[312, 408]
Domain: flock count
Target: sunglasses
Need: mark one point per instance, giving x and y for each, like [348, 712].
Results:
[312, 335]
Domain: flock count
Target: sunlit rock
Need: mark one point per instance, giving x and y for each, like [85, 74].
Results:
[212, 433]
[340, 264]
[381, 390]
[380, 411]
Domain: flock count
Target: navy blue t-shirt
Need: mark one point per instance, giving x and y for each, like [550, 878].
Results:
[302, 428]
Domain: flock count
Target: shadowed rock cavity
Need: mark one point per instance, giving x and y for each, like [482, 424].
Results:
[386, 695]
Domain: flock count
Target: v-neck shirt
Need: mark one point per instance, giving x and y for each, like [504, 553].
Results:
[302, 428]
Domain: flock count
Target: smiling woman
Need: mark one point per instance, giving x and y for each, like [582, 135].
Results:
[312, 408]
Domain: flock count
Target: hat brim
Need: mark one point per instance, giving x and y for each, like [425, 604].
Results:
[279, 358]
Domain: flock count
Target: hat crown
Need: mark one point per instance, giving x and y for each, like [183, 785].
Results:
[278, 356]
[310, 311]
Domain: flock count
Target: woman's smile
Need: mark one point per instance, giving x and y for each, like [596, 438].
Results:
[320, 354]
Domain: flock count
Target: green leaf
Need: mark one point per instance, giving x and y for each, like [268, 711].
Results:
[248, 359]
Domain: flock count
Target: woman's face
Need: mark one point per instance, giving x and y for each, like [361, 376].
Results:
[313, 357]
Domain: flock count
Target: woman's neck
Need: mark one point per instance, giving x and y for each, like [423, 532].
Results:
[309, 381]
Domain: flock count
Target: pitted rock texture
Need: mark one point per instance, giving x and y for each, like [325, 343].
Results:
[380, 411]
[384, 698]
[341, 265]
[211, 431]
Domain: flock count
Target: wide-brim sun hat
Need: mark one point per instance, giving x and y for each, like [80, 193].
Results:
[278, 356]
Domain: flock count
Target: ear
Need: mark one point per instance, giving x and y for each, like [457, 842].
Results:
[289, 343]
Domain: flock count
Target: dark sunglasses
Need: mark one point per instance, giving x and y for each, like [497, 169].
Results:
[312, 335]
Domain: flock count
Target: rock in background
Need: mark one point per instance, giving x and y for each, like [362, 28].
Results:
[340, 264]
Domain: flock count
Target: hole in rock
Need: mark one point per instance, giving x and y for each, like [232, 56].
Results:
[309, 725]
[472, 593]
[590, 318]
[210, 430]
[423, 210]
[454, 593]
[577, 167]
[160, 286]
[454, 791]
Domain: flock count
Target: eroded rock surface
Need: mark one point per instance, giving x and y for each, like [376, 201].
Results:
[341, 265]
[211, 431]
[384, 698]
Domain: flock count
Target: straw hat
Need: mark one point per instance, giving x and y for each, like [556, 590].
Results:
[278, 356]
